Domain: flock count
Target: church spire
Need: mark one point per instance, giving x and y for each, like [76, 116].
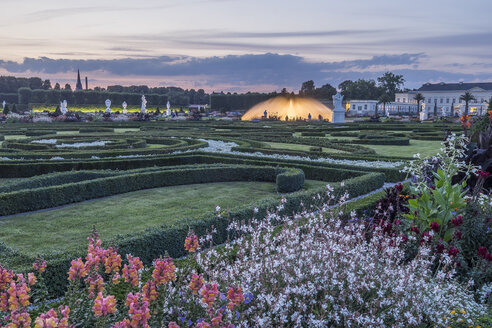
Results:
[78, 86]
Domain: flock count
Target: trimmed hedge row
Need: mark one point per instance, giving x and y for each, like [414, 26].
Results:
[55, 195]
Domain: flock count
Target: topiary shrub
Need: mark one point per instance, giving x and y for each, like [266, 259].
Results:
[289, 180]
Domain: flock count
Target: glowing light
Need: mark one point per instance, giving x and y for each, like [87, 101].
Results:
[290, 107]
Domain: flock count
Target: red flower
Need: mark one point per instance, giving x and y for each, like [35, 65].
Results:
[483, 174]
[439, 248]
[457, 221]
[453, 251]
[415, 229]
[482, 252]
[397, 222]
[399, 187]
[457, 235]
[434, 226]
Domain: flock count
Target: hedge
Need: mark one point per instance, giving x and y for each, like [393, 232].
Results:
[55, 195]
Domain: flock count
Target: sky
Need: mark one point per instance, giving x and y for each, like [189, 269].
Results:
[239, 46]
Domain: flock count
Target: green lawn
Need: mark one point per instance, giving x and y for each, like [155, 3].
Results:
[67, 133]
[424, 147]
[67, 228]
[279, 145]
[124, 130]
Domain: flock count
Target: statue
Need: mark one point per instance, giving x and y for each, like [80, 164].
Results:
[143, 109]
[3, 105]
[108, 106]
[124, 107]
[265, 114]
[63, 107]
[338, 115]
[337, 101]
[168, 111]
[309, 117]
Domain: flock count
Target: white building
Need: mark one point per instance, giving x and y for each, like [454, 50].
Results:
[444, 98]
[368, 108]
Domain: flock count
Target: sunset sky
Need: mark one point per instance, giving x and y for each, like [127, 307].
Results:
[249, 45]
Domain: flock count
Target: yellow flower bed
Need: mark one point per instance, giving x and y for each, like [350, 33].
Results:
[93, 109]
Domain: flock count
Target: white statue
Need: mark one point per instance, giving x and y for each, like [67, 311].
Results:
[338, 113]
[3, 104]
[124, 104]
[168, 111]
[63, 107]
[108, 106]
[144, 103]
[424, 114]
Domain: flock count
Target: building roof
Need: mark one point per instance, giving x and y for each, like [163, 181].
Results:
[455, 86]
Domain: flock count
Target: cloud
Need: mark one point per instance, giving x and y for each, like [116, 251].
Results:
[242, 71]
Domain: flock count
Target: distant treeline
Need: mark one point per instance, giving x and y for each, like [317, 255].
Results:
[89, 97]
[231, 102]
[10, 86]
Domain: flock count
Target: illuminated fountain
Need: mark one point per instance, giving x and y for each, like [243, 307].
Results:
[291, 108]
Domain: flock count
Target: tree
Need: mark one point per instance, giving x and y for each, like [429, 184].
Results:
[467, 97]
[46, 85]
[325, 92]
[419, 98]
[360, 89]
[383, 99]
[68, 87]
[284, 92]
[57, 86]
[391, 83]
[6, 109]
[307, 88]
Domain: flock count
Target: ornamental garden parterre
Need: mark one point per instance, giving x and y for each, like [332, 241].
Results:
[246, 224]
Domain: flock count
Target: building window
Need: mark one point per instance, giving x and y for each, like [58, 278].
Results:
[429, 100]
[365, 106]
[447, 100]
[397, 99]
[442, 100]
[360, 107]
[404, 100]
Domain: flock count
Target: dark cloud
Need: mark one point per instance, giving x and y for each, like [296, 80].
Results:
[240, 70]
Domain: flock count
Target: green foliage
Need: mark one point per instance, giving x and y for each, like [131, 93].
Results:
[439, 204]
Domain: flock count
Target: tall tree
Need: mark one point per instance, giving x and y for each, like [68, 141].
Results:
[419, 98]
[307, 88]
[46, 85]
[383, 99]
[325, 92]
[57, 86]
[467, 97]
[391, 83]
[68, 87]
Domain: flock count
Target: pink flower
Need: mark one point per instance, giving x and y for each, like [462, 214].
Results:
[77, 270]
[191, 243]
[104, 305]
[235, 296]
[173, 324]
[130, 271]
[209, 293]
[31, 278]
[39, 265]
[164, 271]
[138, 309]
[196, 283]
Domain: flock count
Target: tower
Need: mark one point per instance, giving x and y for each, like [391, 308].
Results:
[78, 86]
[86, 84]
